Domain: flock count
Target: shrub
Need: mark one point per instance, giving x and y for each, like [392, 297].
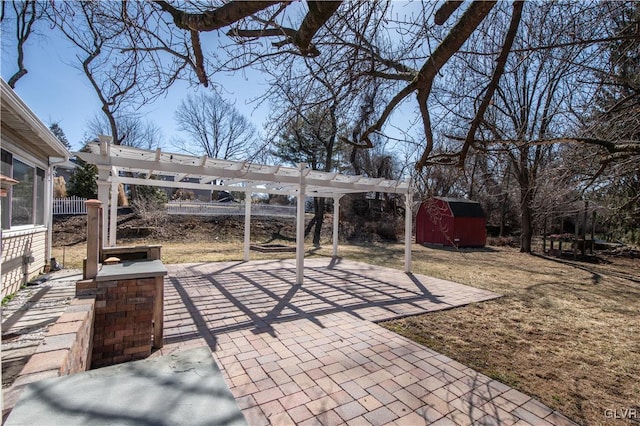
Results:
[502, 242]
[149, 205]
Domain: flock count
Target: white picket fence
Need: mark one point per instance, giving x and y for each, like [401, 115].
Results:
[200, 208]
[76, 206]
[71, 205]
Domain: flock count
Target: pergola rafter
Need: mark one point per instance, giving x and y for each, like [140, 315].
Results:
[121, 164]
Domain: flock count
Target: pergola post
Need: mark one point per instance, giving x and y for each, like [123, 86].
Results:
[92, 260]
[104, 187]
[408, 228]
[247, 224]
[336, 218]
[113, 214]
[300, 226]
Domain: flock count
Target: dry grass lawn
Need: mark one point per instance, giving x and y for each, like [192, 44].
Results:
[566, 333]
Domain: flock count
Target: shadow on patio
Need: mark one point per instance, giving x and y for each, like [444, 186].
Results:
[206, 300]
[311, 353]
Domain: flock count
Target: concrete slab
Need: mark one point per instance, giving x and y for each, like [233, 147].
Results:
[182, 388]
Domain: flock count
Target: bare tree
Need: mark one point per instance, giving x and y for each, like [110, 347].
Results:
[25, 14]
[215, 127]
[166, 38]
[310, 101]
[613, 179]
[122, 77]
[83, 26]
[531, 97]
[132, 129]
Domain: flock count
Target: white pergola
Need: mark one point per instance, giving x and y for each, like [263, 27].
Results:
[115, 163]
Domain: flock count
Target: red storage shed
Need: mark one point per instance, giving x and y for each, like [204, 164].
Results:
[451, 222]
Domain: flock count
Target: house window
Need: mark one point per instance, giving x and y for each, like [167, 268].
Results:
[6, 171]
[39, 196]
[24, 203]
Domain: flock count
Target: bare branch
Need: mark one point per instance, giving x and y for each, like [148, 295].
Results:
[319, 14]
[389, 76]
[25, 17]
[626, 146]
[445, 11]
[214, 19]
[472, 17]
[555, 46]
[495, 78]
[469, 21]
[264, 32]
[199, 65]
[365, 142]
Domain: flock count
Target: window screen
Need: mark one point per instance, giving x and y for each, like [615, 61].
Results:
[23, 194]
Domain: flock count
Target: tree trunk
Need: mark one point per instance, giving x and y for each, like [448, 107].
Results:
[505, 198]
[319, 218]
[527, 231]
[526, 215]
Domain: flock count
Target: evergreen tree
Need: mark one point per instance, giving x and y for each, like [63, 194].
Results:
[59, 133]
[83, 182]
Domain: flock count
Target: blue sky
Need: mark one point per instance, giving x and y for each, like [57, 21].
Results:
[57, 92]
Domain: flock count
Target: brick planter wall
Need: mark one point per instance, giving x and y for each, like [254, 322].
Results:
[66, 349]
[123, 319]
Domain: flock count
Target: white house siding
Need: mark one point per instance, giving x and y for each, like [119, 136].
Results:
[25, 248]
[23, 257]
[26, 243]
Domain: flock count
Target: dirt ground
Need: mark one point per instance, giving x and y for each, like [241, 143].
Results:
[565, 332]
[71, 230]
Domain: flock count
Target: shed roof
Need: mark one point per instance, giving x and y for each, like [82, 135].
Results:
[461, 207]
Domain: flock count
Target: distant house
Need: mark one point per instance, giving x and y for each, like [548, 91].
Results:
[29, 153]
[451, 222]
[62, 178]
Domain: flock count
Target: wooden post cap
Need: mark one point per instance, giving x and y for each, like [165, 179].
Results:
[93, 203]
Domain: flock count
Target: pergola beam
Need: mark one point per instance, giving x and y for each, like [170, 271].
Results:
[357, 184]
[194, 185]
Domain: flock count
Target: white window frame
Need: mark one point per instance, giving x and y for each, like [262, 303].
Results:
[34, 164]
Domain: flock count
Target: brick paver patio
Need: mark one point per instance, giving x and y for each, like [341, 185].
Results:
[312, 354]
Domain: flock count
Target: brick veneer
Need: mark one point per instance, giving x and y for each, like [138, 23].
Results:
[123, 319]
[66, 349]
